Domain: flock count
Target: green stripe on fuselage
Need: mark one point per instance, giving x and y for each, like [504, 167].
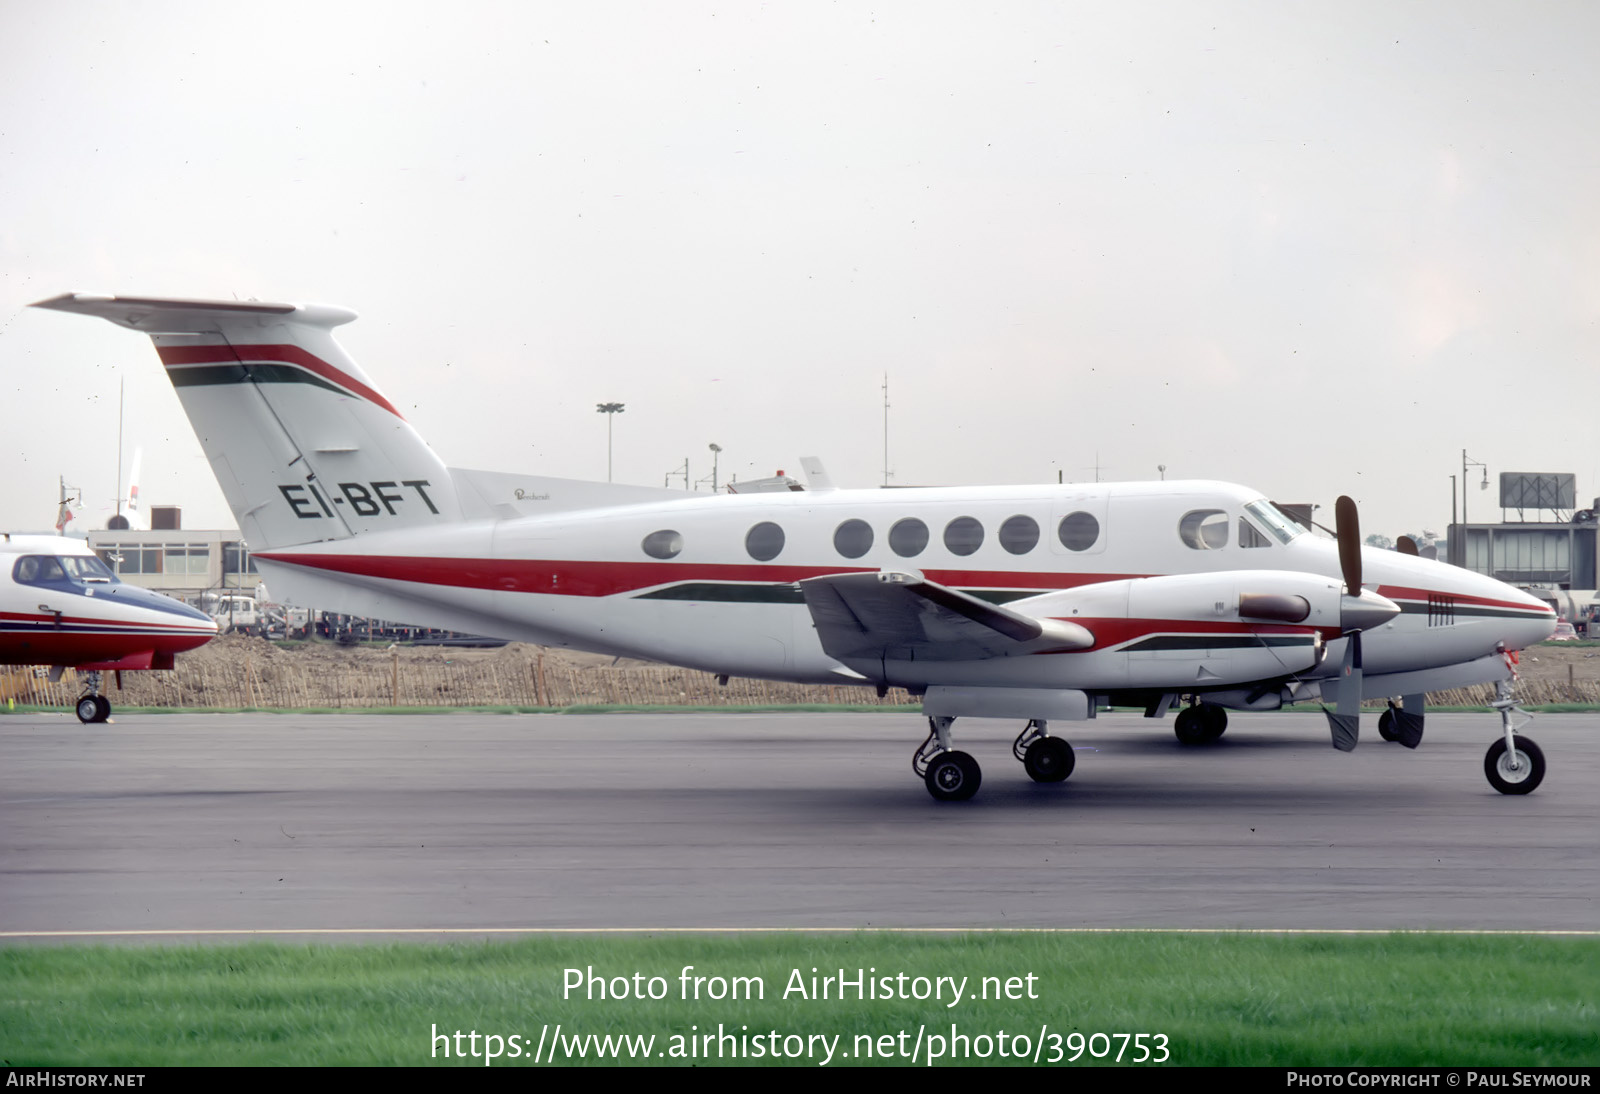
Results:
[723, 592]
[1216, 642]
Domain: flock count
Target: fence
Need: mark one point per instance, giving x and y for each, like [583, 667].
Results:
[236, 673]
[280, 683]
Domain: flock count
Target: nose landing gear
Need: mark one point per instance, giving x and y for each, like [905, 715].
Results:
[93, 707]
[1513, 764]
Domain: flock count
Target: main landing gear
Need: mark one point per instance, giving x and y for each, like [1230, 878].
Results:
[1046, 759]
[955, 776]
[1200, 724]
[93, 707]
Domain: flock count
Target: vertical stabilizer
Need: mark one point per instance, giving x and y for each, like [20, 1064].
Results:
[130, 508]
[304, 447]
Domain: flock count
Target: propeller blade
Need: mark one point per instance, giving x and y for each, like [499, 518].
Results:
[1344, 720]
[1408, 546]
[1348, 524]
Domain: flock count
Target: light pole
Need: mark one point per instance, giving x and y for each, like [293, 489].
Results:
[1484, 485]
[610, 410]
[716, 450]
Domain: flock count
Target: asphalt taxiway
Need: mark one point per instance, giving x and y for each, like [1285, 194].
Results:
[360, 823]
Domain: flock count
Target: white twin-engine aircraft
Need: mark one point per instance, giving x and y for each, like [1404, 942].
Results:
[1037, 603]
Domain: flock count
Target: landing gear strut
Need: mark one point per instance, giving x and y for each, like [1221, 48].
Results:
[1200, 724]
[93, 707]
[1513, 765]
[950, 776]
[1046, 759]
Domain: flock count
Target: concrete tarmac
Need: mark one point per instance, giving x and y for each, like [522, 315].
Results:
[466, 822]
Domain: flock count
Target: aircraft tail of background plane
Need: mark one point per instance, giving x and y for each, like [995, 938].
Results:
[130, 508]
[303, 445]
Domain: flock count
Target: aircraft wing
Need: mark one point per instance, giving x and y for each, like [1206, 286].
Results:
[902, 616]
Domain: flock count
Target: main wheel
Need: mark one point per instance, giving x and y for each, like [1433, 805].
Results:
[953, 776]
[89, 709]
[1048, 760]
[1386, 726]
[1523, 778]
[1200, 725]
[102, 708]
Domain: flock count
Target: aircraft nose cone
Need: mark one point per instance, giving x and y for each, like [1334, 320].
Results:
[1533, 628]
[1362, 613]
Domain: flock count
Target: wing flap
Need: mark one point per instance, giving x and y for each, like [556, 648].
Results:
[901, 616]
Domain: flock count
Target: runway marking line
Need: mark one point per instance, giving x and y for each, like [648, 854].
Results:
[168, 932]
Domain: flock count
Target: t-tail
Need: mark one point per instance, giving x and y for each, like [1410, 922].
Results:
[304, 447]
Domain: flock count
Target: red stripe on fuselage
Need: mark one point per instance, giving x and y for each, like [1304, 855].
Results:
[285, 355]
[196, 627]
[574, 578]
[1401, 592]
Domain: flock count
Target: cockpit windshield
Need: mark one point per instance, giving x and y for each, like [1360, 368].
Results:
[1270, 517]
[49, 569]
[86, 568]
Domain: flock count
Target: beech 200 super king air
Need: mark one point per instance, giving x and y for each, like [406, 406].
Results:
[1038, 603]
[61, 606]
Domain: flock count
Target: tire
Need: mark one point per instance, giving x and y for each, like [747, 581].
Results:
[1049, 760]
[1188, 727]
[1386, 726]
[953, 777]
[1200, 725]
[102, 707]
[88, 709]
[1522, 781]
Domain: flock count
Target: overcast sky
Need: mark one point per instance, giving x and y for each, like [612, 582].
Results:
[1316, 248]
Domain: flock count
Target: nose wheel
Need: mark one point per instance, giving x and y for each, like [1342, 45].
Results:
[1516, 770]
[93, 707]
[1513, 764]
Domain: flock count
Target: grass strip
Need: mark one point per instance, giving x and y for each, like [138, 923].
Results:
[1406, 999]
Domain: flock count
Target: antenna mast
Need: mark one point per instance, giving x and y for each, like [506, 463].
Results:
[886, 428]
[121, 382]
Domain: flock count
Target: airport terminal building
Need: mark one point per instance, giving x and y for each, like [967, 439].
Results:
[179, 563]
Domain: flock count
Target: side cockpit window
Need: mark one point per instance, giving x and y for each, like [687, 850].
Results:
[1204, 529]
[38, 570]
[1250, 537]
